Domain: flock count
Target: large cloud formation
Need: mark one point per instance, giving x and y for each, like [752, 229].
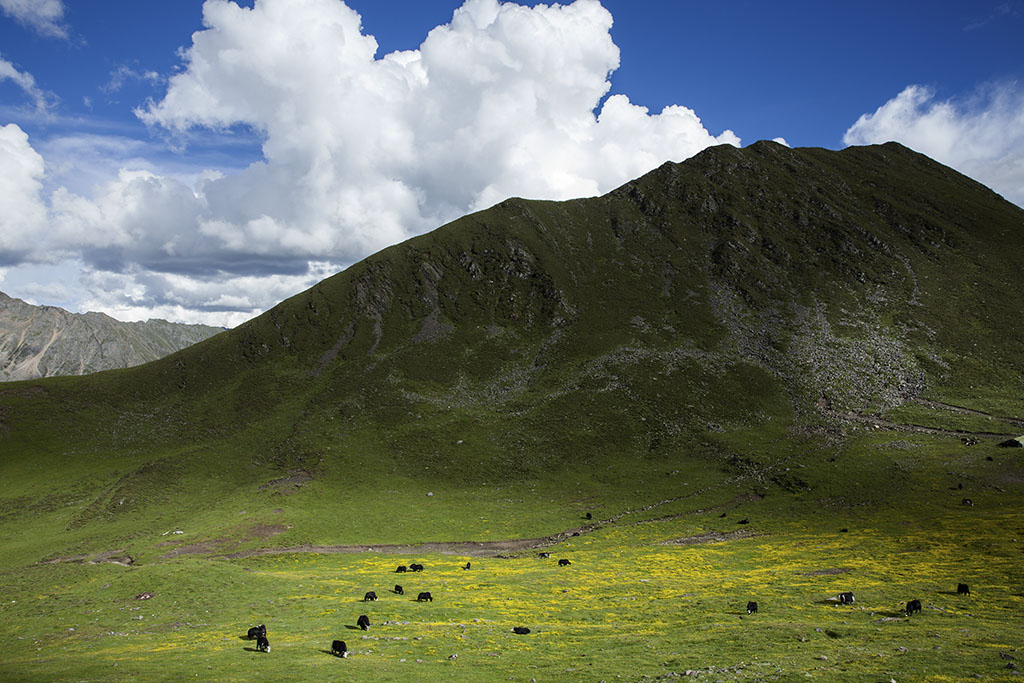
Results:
[983, 137]
[23, 213]
[359, 152]
[362, 152]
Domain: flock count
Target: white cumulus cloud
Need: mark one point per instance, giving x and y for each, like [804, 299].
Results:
[45, 16]
[23, 213]
[359, 151]
[982, 137]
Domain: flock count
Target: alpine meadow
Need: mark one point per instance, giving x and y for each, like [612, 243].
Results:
[762, 375]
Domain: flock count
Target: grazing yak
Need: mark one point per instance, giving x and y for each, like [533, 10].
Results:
[968, 502]
[913, 606]
[564, 563]
[262, 644]
[425, 597]
[543, 556]
[363, 622]
[339, 648]
[846, 598]
[256, 631]
[751, 607]
[370, 596]
[401, 569]
[415, 567]
[521, 630]
[962, 589]
[399, 590]
[467, 566]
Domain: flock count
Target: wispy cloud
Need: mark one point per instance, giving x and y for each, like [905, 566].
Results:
[41, 99]
[1001, 11]
[45, 16]
[126, 74]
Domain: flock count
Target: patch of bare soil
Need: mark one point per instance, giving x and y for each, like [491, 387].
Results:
[267, 530]
[109, 557]
[712, 537]
[290, 484]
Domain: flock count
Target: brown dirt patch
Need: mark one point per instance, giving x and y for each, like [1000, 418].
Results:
[108, 557]
[290, 484]
[267, 530]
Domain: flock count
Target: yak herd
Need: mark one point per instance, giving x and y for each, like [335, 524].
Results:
[340, 649]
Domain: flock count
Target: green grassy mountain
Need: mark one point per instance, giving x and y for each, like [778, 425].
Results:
[743, 295]
[794, 335]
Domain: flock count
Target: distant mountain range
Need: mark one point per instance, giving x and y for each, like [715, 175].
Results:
[43, 341]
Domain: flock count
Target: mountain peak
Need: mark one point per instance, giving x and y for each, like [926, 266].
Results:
[42, 341]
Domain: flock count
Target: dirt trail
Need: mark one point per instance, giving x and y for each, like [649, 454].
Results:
[215, 548]
[879, 422]
[900, 427]
[937, 405]
[466, 548]
[110, 556]
[509, 546]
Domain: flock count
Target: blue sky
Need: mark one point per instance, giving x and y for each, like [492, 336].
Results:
[151, 173]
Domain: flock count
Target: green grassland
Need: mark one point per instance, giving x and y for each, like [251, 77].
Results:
[649, 592]
[802, 340]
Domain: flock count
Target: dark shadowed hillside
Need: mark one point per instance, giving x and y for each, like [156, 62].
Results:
[740, 285]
